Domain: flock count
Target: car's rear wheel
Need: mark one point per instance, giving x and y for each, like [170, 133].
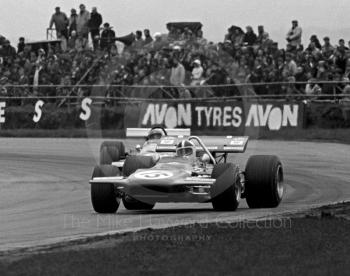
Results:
[103, 196]
[264, 181]
[111, 151]
[134, 204]
[226, 192]
[135, 162]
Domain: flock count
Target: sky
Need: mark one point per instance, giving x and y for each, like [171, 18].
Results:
[30, 18]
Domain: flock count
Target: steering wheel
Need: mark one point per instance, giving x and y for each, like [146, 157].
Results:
[162, 128]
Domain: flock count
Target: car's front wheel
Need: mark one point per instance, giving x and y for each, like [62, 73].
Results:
[103, 196]
[226, 191]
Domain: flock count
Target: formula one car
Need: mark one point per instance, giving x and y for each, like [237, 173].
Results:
[186, 170]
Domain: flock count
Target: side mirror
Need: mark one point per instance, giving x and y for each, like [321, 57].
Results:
[138, 148]
[205, 158]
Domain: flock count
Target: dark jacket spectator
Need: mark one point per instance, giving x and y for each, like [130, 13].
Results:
[107, 37]
[148, 37]
[73, 21]
[20, 45]
[94, 27]
[249, 37]
[60, 20]
[95, 20]
[7, 50]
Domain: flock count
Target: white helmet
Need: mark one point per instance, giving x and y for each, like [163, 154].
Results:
[185, 148]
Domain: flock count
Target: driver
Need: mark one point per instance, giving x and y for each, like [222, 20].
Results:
[186, 149]
[154, 134]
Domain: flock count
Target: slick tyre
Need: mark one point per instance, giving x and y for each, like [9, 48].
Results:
[226, 192]
[103, 196]
[111, 151]
[264, 181]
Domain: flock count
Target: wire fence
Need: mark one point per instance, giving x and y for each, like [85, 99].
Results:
[114, 93]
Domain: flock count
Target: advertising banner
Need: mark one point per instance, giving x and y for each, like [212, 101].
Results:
[217, 117]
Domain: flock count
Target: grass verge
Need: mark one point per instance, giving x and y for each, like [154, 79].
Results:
[308, 245]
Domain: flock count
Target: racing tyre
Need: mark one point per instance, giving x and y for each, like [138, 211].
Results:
[103, 197]
[111, 151]
[133, 204]
[133, 163]
[264, 181]
[226, 192]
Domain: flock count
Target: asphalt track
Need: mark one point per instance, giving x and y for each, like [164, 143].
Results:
[45, 195]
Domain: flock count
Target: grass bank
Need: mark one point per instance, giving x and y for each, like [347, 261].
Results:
[306, 246]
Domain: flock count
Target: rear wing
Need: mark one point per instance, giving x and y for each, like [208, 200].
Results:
[143, 132]
[223, 145]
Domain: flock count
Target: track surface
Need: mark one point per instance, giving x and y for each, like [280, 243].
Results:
[45, 195]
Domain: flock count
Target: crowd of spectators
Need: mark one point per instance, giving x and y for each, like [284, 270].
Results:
[88, 54]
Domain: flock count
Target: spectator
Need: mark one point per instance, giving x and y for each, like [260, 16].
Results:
[139, 42]
[314, 39]
[82, 24]
[20, 46]
[107, 37]
[7, 50]
[94, 26]
[197, 73]
[342, 46]
[294, 36]
[249, 37]
[262, 35]
[290, 68]
[60, 20]
[327, 49]
[148, 37]
[73, 21]
[177, 77]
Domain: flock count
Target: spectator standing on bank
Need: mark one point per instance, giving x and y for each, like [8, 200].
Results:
[60, 20]
[94, 26]
[294, 36]
[261, 35]
[73, 21]
[327, 48]
[107, 37]
[148, 37]
[139, 42]
[20, 46]
[249, 37]
[82, 24]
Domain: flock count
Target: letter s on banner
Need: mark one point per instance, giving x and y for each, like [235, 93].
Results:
[2, 112]
[85, 106]
[37, 111]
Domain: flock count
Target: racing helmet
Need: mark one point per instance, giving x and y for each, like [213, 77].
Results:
[155, 134]
[185, 148]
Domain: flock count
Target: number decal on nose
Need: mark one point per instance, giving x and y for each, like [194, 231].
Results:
[150, 175]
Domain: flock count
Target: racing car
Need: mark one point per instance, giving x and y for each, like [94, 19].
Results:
[184, 169]
[113, 152]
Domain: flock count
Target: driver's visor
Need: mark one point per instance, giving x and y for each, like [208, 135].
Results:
[185, 151]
